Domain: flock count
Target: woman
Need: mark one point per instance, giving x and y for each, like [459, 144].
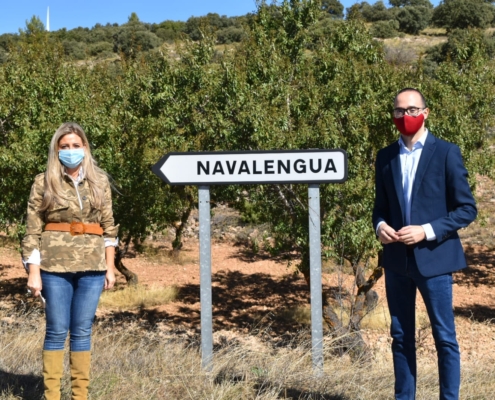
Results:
[69, 251]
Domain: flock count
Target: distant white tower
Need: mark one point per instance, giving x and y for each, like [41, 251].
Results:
[48, 19]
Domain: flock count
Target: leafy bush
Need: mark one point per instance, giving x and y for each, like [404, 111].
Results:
[463, 45]
[168, 31]
[196, 27]
[8, 40]
[132, 40]
[385, 29]
[231, 34]
[462, 14]
[413, 19]
[3, 55]
[375, 12]
[75, 50]
[333, 7]
[97, 49]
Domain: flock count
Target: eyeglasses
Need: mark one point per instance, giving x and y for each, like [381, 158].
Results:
[412, 111]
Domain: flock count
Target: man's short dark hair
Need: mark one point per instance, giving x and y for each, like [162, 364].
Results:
[411, 90]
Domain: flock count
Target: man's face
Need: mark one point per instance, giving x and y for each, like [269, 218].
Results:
[410, 103]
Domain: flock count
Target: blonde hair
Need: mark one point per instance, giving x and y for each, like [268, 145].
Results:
[55, 171]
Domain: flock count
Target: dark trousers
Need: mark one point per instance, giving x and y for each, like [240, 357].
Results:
[437, 296]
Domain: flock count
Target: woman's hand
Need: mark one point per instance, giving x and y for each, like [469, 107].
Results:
[110, 260]
[34, 280]
[109, 278]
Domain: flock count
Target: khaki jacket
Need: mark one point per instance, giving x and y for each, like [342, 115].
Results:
[60, 251]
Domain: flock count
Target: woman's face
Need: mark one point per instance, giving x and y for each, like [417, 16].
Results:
[70, 141]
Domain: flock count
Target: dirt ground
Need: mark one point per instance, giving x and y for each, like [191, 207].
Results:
[256, 294]
[259, 295]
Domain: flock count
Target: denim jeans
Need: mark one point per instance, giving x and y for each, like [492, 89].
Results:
[71, 301]
[437, 295]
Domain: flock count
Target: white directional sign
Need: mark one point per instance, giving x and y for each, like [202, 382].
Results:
[253, 167]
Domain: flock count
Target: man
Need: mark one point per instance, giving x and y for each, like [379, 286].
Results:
[422, 199]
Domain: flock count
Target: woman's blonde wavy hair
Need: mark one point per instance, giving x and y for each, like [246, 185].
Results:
[55, 171]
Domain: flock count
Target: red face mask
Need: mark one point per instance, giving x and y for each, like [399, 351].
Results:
[408, 125]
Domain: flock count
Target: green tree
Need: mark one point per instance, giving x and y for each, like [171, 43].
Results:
[385, 29]
[135, 37]
[413, 19]
[169, 30]
[333, 7]
[7, 40]
[75, 50]
[462, 14]
[463, 46]
[133, 18]
[36, 85]
[411, 3]
[373, 13]
[33, 26]
[3, 55]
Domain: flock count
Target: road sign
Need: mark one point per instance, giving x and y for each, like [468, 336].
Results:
[253, 167]
[256, 167]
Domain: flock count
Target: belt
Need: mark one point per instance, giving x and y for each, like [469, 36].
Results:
[75, 228]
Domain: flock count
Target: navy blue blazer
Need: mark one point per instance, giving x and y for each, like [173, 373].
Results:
[441, 196]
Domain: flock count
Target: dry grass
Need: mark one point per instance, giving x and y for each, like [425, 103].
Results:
[135, 362]
[434, 32]
[163, 255]
[408, 49]
[139, 296]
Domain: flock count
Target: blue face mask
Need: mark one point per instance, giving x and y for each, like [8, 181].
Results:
[71, 158]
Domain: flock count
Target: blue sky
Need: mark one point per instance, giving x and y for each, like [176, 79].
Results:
[87, 13]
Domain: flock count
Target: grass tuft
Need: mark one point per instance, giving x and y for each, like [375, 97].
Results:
[138, 297]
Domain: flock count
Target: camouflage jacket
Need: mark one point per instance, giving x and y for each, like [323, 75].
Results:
[60, 251]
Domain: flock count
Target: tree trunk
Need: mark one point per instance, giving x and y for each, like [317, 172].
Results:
[349, 337]
[130, 277]
[179, 230]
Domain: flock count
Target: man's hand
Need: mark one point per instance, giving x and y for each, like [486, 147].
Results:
[411, 234]
[387, 234]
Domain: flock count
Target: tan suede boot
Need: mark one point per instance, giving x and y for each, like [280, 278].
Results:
[79, 372]
[53, 368]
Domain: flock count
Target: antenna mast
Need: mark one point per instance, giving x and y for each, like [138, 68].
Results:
[48, 19]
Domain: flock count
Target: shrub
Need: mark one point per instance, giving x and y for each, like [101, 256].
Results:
[463, 46]
[75, 50]
[333, 8]
[385, 29]
[462, 14]
[169, 30]
[132, 40]
[375, 12]
[100, 47]
[230, 34]
[3, 56]
[412, 19]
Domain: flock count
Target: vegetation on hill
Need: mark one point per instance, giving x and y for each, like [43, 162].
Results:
[401, 17]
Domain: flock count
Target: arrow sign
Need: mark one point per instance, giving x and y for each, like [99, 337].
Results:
[253, 167]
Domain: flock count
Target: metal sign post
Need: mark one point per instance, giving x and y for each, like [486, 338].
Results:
[205, 277]
[315, 277]
[311, 167]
